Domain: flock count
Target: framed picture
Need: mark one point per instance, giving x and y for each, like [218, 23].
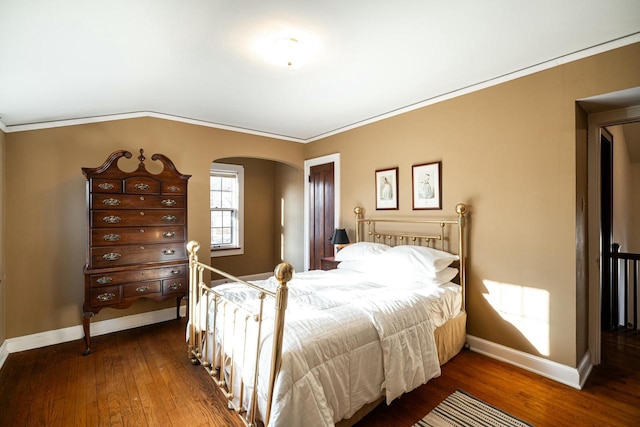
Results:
[387, 188]
[427, 186]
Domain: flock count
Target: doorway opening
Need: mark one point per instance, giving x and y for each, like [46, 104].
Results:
[604, 111]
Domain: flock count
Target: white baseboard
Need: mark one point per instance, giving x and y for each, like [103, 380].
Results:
[4, 353]
[42, 339]
[573, 377]
[58, 336]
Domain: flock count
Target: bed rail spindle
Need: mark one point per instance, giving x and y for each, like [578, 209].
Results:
[192, 249]
[254, 395]
[283, 273]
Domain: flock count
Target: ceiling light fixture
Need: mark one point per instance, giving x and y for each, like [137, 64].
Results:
[287, 52]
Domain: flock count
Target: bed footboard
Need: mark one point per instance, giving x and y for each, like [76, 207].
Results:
[217, 325]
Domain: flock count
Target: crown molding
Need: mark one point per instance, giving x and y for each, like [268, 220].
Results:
[139, 114]
[575, 56]
[561, 60]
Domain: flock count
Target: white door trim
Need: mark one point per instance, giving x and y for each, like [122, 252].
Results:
[331, 158]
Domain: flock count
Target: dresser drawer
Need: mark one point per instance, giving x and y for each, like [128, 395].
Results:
[106, 186]
[145, 235]
[137, 275]
[137, 217]
[174, 188]
[174, 286]
[106, 296]
[113, 256]
[141, 185]
[135, 201]
[141, 288]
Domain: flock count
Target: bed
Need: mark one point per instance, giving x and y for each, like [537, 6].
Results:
[322, 347]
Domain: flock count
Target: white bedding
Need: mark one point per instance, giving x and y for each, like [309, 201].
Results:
[350, 338]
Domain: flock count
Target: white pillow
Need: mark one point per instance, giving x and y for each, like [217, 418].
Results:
[360, 265]
[420, 260]
[445, 276]
[360, 250]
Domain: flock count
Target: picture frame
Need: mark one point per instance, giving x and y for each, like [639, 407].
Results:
[426, 179]
[387, 189]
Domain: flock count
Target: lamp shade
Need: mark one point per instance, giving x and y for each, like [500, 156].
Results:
[340, 237]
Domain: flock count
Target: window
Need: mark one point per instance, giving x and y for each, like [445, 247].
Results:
[226, 201]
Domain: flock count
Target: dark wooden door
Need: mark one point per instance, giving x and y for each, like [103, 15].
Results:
[609, 317]
[321, 221]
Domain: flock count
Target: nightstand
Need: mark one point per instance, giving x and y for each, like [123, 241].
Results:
[329, 263]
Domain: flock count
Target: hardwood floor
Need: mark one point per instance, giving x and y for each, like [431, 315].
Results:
[142, 377]
[611, 396]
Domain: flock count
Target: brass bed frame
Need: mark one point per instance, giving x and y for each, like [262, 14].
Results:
[203, 349]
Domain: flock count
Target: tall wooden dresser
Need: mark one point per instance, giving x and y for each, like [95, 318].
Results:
[136, 236]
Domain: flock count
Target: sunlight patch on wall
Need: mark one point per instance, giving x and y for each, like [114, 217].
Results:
[525, 308]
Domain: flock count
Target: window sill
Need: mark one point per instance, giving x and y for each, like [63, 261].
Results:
[229, 251]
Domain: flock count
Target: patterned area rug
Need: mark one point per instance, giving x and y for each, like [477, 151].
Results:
[462, 409]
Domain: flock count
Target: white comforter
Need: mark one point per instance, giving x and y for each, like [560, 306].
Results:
[347, 340]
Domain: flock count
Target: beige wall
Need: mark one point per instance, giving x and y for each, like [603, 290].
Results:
[45, 199]
[289, 218]
[509, 151]
[512, 152]
[3, 319]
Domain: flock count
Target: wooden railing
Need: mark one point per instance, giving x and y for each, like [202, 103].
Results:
[624, 272]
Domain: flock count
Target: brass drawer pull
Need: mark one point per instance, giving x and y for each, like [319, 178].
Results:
[111, 202]
[175, 286]
[168, 202]
[104, 280]
[169, 218]
[111, 256]
[142, 289]
[168, 251]
[173, 189]
[111, 237]
[107, 296]
[175, 272]
[168, 234]
[106, 186]
[140, 186]
[111, 219]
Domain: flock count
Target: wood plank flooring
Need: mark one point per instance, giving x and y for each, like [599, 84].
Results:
[611, 396]
[142, 377]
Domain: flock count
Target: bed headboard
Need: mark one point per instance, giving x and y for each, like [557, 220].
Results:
[433, 232]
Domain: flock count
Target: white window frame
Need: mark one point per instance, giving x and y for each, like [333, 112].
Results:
[238, 249]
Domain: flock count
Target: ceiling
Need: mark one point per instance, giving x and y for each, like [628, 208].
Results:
[197, 60]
